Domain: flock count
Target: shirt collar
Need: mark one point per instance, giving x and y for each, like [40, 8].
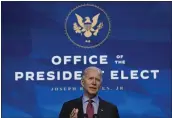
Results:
[85, 99]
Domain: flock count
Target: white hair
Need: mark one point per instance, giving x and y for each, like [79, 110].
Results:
[92, 68]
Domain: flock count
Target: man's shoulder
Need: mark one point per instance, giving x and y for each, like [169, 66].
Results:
[108, 104]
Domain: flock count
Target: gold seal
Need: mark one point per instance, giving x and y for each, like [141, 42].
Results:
[87, 28]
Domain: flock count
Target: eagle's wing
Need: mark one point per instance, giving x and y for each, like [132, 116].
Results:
[76, 28]
[80, 20]
[95, 19]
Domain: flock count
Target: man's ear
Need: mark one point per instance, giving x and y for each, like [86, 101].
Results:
[82, 82]
[100, 86]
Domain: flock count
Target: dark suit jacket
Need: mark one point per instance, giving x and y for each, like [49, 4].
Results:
[105, 110]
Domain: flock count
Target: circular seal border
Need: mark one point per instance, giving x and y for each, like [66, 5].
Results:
[91, 5]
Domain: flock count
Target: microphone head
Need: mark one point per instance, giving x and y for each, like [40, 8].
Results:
[85, 115]
[95, 116]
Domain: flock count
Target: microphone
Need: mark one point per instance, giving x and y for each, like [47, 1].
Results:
[95, 116]
[85, 115]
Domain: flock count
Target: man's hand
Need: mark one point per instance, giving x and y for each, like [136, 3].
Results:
[74, 113]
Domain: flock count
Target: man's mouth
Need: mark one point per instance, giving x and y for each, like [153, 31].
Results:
[94, 88]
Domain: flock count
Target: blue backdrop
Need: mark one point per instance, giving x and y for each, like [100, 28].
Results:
[33, 32]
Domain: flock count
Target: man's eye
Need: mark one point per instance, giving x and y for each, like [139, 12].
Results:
[98, 80]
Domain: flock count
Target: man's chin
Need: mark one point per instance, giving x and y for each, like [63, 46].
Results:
[93, 92]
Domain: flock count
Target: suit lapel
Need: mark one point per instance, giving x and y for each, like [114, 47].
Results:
[80, 107]
[101, 109]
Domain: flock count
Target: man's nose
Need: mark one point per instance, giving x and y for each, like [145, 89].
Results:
[94, 81]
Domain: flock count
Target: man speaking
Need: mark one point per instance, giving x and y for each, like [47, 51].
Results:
[90, 105]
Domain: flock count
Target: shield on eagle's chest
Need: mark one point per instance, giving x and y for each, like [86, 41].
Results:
[87, 26]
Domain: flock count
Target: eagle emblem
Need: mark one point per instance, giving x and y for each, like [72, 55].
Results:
[86, 26]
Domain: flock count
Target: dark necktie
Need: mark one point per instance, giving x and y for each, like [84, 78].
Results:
[90, 109]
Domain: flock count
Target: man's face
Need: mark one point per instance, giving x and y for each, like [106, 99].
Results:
[91, 82]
